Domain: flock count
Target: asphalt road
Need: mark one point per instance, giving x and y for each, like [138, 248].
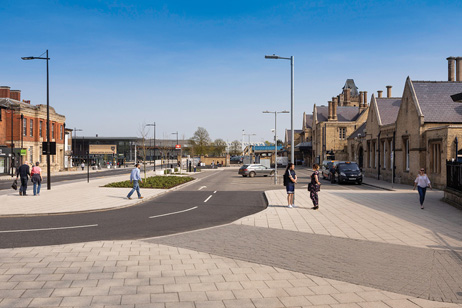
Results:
[217, 198]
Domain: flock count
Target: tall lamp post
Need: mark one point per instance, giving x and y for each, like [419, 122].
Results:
[176, 133]
[154, 135]
[275, 143]
[291, 101]
[48, 115]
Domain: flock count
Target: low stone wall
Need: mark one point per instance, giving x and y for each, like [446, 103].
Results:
[453, 197]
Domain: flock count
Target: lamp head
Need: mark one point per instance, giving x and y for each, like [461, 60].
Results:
[272, 57]
[27, 58]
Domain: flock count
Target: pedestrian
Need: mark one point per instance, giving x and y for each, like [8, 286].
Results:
[422, 182]
[23, 172]
[314, 186]
[36, 178]
[135, 177]
[83, 166]
[213, 164]
[290, 179]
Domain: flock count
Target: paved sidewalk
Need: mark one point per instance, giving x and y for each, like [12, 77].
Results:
[350, 229]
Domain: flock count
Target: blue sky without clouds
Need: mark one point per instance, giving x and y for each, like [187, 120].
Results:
[184, 64]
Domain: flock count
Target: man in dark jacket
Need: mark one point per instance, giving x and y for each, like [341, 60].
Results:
[24, 173]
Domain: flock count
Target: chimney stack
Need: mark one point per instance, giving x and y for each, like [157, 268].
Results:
[15, 94]
[379, 93]
[329, 108]
[347, 97]
[389, 91]
[4, 92]
[459, 69]
[365, 98]
[361, 98]
[451, 71]
[334, 108]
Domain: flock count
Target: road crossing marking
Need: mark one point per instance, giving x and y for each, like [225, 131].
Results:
[173, 213]
[47, 229]
[202, 187]
[208, 198]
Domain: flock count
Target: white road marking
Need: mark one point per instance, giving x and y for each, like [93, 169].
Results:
[173, 213]
[48, 229]
[202, 187]
[215, 192]
[208, 198]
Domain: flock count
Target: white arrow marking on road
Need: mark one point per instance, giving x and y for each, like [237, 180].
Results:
[202, 187]
[48, 229]
[208, 198]
[174, 212]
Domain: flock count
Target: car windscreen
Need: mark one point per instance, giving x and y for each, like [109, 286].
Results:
[244, 166]
[348, 167]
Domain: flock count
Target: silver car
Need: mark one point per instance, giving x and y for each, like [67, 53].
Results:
[255, 169]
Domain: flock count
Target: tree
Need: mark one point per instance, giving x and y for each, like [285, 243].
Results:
[235, 148]
[218, 147]
[280, 142]
[200, 141]
[143, 134]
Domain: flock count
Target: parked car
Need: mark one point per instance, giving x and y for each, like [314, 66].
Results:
[348, 172]
[327, 167]
[254, 170]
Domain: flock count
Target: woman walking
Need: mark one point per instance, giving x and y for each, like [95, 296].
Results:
[314, 187]
[290, 179]
[422, 182]
[36, 178]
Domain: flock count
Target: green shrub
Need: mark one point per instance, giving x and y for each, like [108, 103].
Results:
[163, 182]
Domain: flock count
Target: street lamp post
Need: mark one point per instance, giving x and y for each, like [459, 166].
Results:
[154, 135]
[176, 133]
[48, 116]
[275, 143]
[291, 101]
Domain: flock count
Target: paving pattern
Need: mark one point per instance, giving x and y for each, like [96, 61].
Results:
[424, 273]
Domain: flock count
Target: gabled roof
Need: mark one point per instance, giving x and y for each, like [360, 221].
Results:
[289, 135]
[350, 83]
[388, 109]
[344, 113]
[359, 132]
[308, 121]
[434, 99]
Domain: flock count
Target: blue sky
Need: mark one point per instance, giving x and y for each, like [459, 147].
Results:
[184, 64]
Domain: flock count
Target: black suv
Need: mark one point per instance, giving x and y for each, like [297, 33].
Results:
[348, 172]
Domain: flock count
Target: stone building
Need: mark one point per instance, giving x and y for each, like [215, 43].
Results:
[415, 131]
[298, 138]
[372, 144]
[23, 129]
[333, 124]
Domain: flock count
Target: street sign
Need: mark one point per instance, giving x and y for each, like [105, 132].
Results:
[23, 152]
[103, 149]
[52, 148]
[178, 146]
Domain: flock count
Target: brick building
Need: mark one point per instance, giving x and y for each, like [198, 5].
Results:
[23, 129]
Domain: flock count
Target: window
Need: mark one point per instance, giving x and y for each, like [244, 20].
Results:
[40, 129]
[406, 154]
[40, 153]
[53, 131]
[369, 154]
[385, 155]
[24, 127]
[31, 151]
[435, 158]
[31, 128]
[61, 132]
[342, 133]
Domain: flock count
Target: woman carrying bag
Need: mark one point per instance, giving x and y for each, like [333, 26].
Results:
[314, 187]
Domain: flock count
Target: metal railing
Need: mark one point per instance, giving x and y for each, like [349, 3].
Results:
[454, 175]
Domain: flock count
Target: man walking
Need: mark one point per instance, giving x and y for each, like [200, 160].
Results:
[23, 172]
[135, 176]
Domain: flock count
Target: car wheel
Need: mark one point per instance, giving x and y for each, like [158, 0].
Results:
[360, 182]
[272, 173]
[252, 174]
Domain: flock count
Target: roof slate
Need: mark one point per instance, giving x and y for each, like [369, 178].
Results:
[344, 113]
[388, 109]
[350, 83]
[436, 103]
[358, 131]
[308, 120]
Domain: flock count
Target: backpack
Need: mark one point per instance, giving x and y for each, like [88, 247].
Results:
[285, 179]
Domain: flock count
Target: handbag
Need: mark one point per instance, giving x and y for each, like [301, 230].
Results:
[314, 187]
[15, 185]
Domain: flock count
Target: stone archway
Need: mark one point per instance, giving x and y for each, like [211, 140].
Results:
[360, 156]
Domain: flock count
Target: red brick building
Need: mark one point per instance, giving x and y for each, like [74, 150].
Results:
[23, 127]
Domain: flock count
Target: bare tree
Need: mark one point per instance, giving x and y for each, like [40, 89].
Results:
[235, 148]
[143, 133]
[200, 141]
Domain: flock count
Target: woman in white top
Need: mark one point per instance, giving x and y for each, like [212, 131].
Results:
[422, 182]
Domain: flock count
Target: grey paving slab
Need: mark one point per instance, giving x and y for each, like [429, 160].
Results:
[425, 273]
